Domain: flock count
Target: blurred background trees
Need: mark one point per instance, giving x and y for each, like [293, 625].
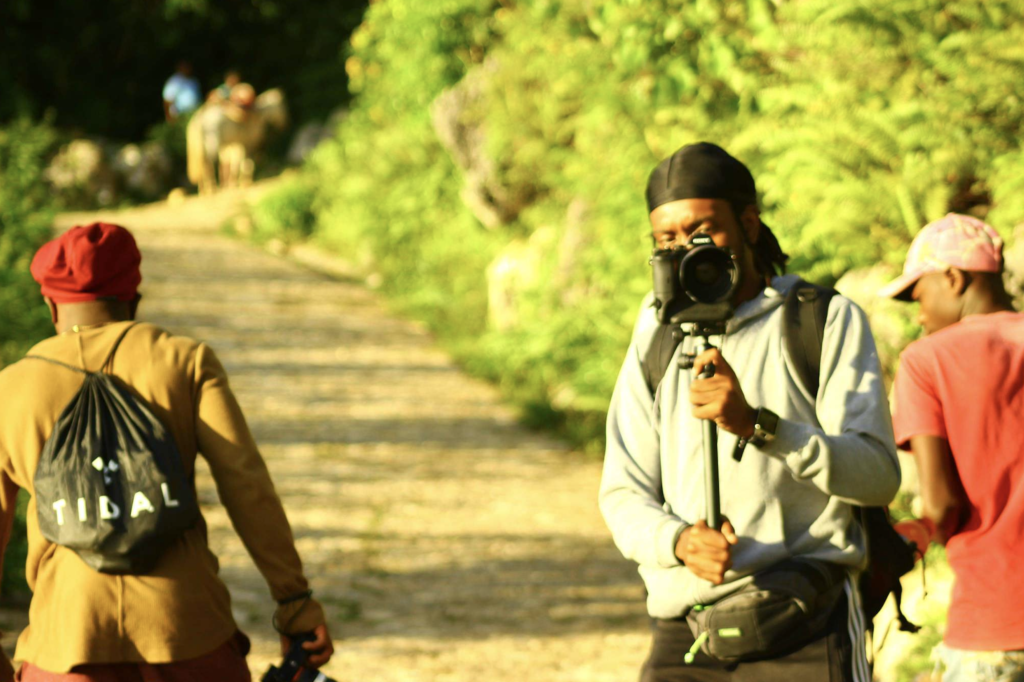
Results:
[100, 67]
[492, 167]
[486, 158]
[96, 70]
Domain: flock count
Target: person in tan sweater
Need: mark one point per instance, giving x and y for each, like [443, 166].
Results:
[173, 623]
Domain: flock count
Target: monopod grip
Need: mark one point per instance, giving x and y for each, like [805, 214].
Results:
[707, 371]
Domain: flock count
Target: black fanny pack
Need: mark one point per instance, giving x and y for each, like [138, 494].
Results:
[783, 608]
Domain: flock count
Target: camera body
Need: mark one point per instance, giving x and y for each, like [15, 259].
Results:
[695, 283]
[293, 667]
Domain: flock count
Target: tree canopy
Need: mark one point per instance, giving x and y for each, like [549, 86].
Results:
[99, 67]
[492, 137]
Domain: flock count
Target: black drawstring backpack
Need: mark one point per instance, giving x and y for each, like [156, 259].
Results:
[110, 482]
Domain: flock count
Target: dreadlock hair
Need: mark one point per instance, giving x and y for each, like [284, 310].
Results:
[768, 254]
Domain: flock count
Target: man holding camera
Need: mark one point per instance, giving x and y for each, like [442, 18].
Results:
[811, 454]
[172, 622]
[957, 407]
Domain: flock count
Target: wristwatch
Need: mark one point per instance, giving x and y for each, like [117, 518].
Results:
[766, 423]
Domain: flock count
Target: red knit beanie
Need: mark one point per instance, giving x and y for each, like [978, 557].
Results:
[88, 263]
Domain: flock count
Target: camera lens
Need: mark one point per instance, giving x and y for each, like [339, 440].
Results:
[708, 274]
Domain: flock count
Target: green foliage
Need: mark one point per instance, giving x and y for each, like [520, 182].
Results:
[388, 192]
[566, 89]
[16, 553]
[25, 219]
[170, 135]
[696, 64]
[860, 120]
[884, 116]
[286, 213]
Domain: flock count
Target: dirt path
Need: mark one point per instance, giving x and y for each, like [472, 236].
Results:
[447, 542]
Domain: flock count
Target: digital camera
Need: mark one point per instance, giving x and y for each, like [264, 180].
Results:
[695, 283]
[293, 667]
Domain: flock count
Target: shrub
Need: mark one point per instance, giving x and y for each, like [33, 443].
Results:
[286, 212]
[860, 120]
[25, 219]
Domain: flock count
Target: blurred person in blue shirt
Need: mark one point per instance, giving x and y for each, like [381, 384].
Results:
[182, 94]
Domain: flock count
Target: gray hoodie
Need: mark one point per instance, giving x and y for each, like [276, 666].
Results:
[791, 498]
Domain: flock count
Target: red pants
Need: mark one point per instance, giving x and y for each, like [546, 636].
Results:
[224, 664]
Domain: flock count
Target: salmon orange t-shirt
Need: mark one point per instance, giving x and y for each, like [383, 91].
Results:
[965, 383]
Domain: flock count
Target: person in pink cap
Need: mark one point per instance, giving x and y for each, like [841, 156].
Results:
[958, 408]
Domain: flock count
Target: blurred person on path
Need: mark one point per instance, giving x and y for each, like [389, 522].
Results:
[811, 455]
[181, 93]
[173, 622]
[241, 100]
[223, 91]
[958, 407]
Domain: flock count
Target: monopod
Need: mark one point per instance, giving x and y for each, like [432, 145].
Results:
[710, 429]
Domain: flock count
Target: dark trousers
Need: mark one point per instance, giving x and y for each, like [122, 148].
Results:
[226, 663]
[827, 658]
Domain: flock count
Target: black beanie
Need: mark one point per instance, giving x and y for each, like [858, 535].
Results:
[700, 171]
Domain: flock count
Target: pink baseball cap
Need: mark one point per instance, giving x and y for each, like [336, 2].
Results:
[957, 241]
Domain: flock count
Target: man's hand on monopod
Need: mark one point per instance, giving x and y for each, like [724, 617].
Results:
[720, 398]
[707, 552]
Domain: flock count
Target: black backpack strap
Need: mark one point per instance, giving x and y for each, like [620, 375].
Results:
[110, 357]
[905, 623]
[57, 362]
[806, 309]
[659, 354]
[106, 363]
[888, 556]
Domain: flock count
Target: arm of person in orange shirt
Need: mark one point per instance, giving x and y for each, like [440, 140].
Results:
[8, 504]
[942, 495]
[245, 488]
